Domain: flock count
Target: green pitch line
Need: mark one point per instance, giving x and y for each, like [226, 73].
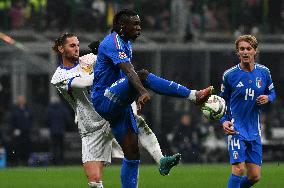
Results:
[183, 176]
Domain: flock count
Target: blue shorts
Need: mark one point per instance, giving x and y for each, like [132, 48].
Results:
[115, 106]
[241, 150]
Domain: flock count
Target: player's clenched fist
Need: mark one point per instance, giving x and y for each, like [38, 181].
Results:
[142, 99]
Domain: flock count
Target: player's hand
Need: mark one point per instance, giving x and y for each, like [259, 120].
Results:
[262, 99]
[228, 128]
[142, 99]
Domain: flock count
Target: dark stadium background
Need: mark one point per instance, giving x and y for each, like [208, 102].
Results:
[189, 41]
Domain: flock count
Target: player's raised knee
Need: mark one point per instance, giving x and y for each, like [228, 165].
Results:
[143, 74]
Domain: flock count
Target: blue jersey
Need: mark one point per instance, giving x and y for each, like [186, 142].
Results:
[112, 51]
[240, 90]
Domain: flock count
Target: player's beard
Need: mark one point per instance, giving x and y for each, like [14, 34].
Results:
[72, 57]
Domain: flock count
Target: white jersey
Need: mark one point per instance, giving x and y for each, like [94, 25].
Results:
[79, 98]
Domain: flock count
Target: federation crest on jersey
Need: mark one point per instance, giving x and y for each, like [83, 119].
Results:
[122, 55]
[236, 155]
[258, 82]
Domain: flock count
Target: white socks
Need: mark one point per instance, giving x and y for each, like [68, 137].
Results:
[192, 95]
[149, 140]
[96, 184]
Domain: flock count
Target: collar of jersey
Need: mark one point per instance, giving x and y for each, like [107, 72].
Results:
[68, 68]
[239, 66]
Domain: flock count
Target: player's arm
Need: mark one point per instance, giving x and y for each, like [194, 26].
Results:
[128, 69]
[81, 82]
[269, 93]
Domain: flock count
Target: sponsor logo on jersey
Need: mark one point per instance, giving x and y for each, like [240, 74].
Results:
[236, 155]
[240, 84]
[122, 55]
[258, 82]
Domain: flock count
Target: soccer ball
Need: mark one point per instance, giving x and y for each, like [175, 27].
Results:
[214, 108]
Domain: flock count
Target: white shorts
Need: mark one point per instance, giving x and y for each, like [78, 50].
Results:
[100, 146]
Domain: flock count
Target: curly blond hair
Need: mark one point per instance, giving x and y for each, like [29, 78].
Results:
[249, 39]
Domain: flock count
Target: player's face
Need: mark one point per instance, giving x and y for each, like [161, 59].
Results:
[246, 52]
[132, 28]
[70, 50]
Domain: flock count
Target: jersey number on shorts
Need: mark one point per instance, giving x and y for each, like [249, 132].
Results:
[235, 143]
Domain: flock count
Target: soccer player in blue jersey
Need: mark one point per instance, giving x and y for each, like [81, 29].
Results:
[116, 85]
[246, 87]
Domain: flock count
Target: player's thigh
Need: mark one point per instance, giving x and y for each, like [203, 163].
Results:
[122, 91]
[94, 170]
[121, 125]
[115, 99]
[254, 152]
[237, 149]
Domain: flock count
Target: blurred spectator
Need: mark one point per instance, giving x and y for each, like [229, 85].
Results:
[57, 14]
[99, 14]
[57, 118]
[250, 16]
[17, 15]
[37, 12]
[158, 19]
[5, 6]
[185, 139]
[21, 120]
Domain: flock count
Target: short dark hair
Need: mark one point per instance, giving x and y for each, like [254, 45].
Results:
[120, 18]
[60, 41]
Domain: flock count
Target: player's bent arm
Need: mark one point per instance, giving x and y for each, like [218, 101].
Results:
[128, 69]
[82, 82]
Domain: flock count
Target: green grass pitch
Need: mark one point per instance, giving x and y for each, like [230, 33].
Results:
[183, 176]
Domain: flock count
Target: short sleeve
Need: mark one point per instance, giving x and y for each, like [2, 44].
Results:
[116, 51]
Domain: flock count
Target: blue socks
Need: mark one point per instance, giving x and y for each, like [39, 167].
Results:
[129, 173]
[165, 87]
[234, 181]
[245, 183]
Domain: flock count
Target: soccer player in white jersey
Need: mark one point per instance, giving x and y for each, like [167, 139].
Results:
[246, 88]
[72, 79]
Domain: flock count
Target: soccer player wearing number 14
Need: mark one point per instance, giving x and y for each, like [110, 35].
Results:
[246, 87]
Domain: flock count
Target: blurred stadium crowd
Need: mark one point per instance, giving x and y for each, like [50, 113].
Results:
[264, 16]
[48, 128]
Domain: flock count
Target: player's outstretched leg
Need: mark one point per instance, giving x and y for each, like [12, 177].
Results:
[171, 88]
[168, 162]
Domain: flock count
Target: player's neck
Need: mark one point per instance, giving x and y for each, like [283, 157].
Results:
[124, 38]
[68, 63]
[248, 67]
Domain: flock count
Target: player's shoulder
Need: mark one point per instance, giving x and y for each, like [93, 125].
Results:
[112, 40]
[262, 68]
[231, 71]
[62, 74]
